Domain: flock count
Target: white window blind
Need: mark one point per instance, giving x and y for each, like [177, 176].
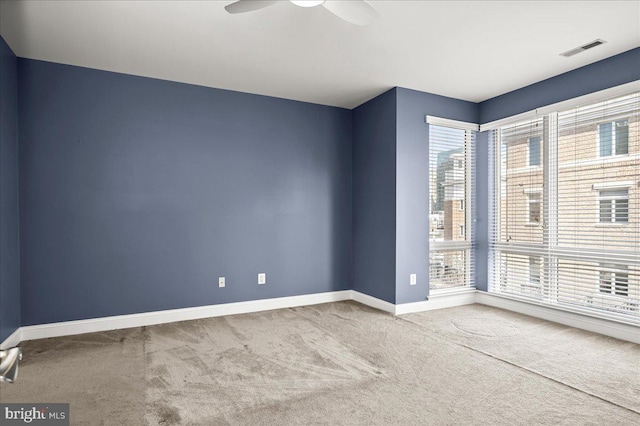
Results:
[566, 232]
[451, 186]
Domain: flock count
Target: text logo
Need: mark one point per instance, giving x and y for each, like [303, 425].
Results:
[34, 414]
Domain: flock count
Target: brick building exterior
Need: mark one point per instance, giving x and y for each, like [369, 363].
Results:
[596, 178]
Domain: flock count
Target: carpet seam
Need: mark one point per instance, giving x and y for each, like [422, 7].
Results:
[529, 370]
[549, 378]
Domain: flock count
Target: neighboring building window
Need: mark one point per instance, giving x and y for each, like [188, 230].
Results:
[534, 151]
[462, 205]
[534, 203]
[613, 138]
[462, 230]
[614, 279]
[534, 271]
[614, 205]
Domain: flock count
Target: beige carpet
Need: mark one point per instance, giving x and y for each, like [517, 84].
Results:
[340, 363]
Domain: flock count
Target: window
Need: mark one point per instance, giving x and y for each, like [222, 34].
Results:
[451, 185]
[573, 259]
[613, 138]
[534, 204]
[534, 271]
[614, 205]
[534, 151]
[614, 279]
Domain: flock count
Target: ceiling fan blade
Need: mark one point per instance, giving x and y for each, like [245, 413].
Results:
[357, 12]
[242, 6]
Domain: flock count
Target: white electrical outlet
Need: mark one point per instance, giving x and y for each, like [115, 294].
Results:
[413, 279]
[262, 278]
[221, 282]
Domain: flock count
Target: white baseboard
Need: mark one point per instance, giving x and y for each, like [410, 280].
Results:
[609, 328]
[374, 302]
[13, 340]
[438, 301]
[68, 328]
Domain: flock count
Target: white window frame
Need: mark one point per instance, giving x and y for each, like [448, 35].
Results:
[550, 251]
[461, 205]
[613, 140]
[465, 245]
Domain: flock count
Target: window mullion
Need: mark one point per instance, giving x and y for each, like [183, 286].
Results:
[550, 205]
[468, 226]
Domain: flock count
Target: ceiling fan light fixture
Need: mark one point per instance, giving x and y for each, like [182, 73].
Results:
[357, 12]
[307, 3]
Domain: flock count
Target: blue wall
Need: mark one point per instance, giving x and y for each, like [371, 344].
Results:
[374, 197]
[412, 184]
[136, 194]
[610, 72]
[391, 191]
[9, 233]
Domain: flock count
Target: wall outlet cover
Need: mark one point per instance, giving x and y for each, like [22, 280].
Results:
[262, 278]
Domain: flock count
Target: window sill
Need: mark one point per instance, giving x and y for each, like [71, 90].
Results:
[613, 157]
[603, 322]
[533, 225]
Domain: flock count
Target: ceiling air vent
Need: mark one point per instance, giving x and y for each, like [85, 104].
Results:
[582, 48]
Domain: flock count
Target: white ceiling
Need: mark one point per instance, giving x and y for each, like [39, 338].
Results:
[471, 50]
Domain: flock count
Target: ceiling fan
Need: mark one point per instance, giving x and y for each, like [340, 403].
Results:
[358, 12]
